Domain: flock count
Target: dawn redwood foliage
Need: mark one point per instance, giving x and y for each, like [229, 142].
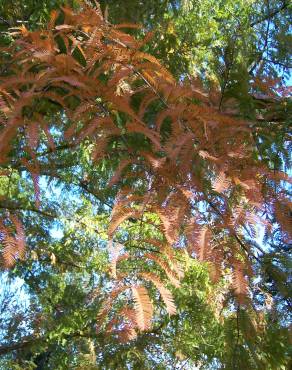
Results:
[186, 169]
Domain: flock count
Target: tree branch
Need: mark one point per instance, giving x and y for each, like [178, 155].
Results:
[7, 348]
[17, 207]
[271, 14]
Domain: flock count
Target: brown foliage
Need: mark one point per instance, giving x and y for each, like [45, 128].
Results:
[12, 238]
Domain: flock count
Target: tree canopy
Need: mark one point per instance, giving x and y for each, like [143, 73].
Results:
[145, 217]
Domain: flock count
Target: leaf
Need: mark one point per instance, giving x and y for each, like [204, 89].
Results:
[221, 183]
[127, 333]
[10, 248]
[203, 243]
[34, 172]
[53, 259]
[169, 218]
[143, 307]
[166, 294]
[114, 254]
[19, 235]
[174, 279]
[127, 25]
[239, 282]
[152, 135]
[12, 240]
[64, 27]
[33, 135]
[121, 215]
[122, 165]
[205, 155]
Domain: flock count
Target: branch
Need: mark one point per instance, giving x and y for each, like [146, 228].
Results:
[81, 184]
[271, 14]
[228, 61]
[5, 21]
[288, 66]
[240, 242]
[32, 341]
[260, 58]
[16, 207]
[84, 186]
[237, 336]
[7, 348]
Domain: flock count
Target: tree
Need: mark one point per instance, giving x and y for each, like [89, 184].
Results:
[83, 104]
